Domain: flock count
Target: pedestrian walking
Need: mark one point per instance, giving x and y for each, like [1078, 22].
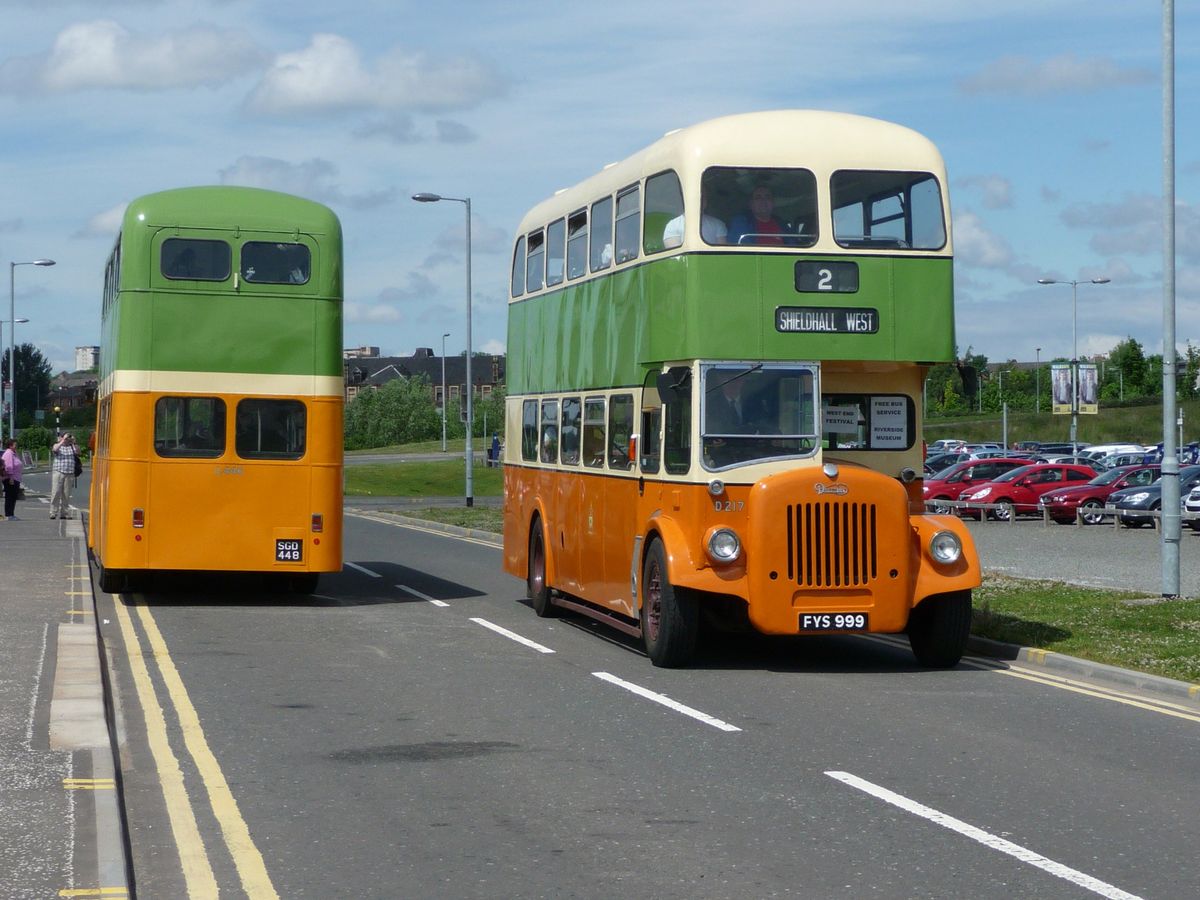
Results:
[11, 467]
[63, 454]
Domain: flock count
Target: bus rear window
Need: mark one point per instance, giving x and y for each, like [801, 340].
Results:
[189, 427]
[887, 210]
[194, 260]
[270, 429]
[268, 263]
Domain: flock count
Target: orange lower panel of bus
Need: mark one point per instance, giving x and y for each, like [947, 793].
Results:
[806, 552]
[207, 516]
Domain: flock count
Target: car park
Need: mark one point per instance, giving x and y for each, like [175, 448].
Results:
[1116, 460]
[1061, 504]
[1134, 503]
[1099, 451]
[1023, 487]
[1064, 449]
[945, 445]
[951, 483]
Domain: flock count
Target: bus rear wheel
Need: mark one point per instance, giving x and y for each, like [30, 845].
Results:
[535, 581]
[670, 616]
[938, 629]
[112, 582]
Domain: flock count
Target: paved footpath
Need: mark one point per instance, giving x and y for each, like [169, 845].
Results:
[60, 827]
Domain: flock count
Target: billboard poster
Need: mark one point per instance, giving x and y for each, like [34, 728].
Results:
[1060, 388]
[1089, 401]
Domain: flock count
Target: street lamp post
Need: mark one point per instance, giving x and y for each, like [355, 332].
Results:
[14, 323]
[12, 344]
[444, 336]
[434, 198]
[1037, 377]
[1074, 352]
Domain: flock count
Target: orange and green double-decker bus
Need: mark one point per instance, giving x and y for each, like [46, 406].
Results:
[716, 352]
[219, 427]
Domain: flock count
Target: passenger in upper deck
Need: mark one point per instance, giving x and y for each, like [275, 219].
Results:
[712, 229]
[758, 225]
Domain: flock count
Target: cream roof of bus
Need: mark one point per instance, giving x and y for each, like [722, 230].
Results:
[812, 139]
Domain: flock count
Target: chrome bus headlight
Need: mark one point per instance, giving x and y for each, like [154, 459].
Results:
[945, 547]
[723, 546]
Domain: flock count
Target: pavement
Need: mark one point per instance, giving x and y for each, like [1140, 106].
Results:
[61, 833]
[61, 826]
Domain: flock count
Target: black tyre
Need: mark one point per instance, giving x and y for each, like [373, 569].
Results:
[535, 581]
[112, 582]
[938, 629]
[670, 616]
[1090, 512]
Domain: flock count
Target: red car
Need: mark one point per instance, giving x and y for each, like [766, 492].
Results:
[1024, 487]
[1061, 503]
[952, 482]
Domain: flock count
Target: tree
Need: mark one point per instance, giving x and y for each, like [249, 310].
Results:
[33, 381]
[400, 412]
[1127, 361]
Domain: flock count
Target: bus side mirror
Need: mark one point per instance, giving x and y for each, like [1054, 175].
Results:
[674, 384]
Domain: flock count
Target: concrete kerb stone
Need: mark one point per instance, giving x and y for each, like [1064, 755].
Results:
[1085, 669]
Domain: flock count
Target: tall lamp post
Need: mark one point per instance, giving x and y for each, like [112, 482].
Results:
[12, 344]
[14, 323]
[434, 198]
[444, 336]
[1074, 352]
[1037, 377]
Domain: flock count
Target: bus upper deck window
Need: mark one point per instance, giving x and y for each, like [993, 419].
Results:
[752, 207]
[196, 260]
[887, 210]
[266, 262]
[536, 260]
[601, 255]
[664, 213]
[518, 268]
[555, 252]
[629, 223]
[577, 244]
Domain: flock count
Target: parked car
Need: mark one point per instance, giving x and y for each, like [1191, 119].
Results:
[939, 462]
[1027, 445]
[945, 445]
[1099, 451]
[1062, 449]
[1022, 487]
[1089, 499]
[1115, 460]
[1067, 459]
[1132, 503]
[1191, 508]
[952, 482]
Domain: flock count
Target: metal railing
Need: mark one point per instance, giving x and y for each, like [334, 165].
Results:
[955, 507]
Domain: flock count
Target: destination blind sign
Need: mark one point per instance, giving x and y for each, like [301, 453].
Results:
[834, 320]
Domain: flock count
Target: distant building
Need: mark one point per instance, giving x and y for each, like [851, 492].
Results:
[86, 358]
[370, 372]
[361, 353]
[71, 390]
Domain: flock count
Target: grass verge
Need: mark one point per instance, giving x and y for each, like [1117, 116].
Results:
[422, 478]
[1113, 627]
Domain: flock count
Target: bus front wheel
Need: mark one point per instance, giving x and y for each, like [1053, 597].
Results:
[938, 629]
[535, 581]
[670, 617]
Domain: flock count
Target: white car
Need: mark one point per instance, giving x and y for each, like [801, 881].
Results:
[1191, 509]
[1099, 451]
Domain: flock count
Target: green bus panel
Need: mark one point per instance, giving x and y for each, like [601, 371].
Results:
[606, 331]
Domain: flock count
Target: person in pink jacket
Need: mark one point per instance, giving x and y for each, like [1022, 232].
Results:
[12, 477]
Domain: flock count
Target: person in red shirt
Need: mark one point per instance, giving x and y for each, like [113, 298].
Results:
[759, 225]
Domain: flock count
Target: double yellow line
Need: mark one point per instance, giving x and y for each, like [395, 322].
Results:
[197, 869]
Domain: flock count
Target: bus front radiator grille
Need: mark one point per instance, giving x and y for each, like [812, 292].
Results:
[831, 544]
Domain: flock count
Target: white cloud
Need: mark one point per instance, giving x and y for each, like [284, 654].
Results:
[975, 245]
[1066, 73]
[995, 189]
[367, 313]
[103, 224]
[330, 76]
[313, 178]
[103, 54]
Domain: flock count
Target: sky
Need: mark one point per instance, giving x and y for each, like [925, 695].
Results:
[1048, 114]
